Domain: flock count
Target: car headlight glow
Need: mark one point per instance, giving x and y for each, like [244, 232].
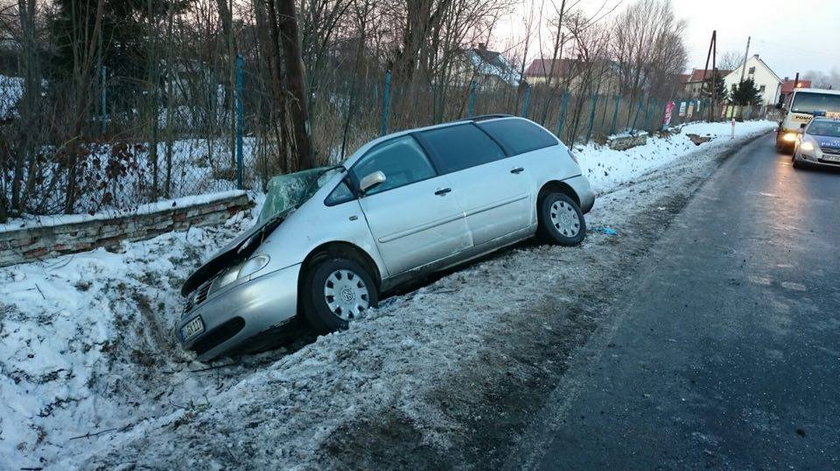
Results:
[807, 146]
[789, 137]
[253, 265]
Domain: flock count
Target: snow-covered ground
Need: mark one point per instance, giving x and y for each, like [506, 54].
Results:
[91, 374]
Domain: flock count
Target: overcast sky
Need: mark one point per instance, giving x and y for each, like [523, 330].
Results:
[789, 35]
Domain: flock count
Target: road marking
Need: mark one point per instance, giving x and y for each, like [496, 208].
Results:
[760, 280]
[794, 286]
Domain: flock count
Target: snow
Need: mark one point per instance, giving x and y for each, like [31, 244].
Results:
[11, 91]
[91, 375]
[606, 168]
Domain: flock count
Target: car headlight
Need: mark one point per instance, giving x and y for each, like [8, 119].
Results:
[226, 278]
[253, 265]
[789, 137]
[807, 145]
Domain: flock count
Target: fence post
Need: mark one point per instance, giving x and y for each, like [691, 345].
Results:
[103, 97]
[592, 117]
[527, 102]
[615, 113]
[386, 104]
[636, 115]
[564, 105]
[471, 100]
[240, 120]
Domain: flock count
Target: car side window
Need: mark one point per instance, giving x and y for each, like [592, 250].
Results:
[519, 136]
[402, 160]
[462, 146]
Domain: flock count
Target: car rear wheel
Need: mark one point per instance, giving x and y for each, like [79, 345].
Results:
[561, 220]
[336, 291]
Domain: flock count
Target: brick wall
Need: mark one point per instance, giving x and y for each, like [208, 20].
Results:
[35, 243]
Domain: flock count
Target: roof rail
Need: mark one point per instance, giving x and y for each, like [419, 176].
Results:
[489, 116]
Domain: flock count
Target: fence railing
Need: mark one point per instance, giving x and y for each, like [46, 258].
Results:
[204, 135]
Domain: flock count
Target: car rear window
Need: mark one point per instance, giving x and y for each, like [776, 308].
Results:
[462, 146]
[519, 136]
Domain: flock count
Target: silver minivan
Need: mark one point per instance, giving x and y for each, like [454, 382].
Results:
[330, 241]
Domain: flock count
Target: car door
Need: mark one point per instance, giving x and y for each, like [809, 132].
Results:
[492, 188]
[413, 216]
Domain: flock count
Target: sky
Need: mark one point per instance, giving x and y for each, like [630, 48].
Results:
[789, 35]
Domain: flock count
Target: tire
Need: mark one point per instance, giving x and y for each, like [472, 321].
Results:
[335, 291]
[560, 220]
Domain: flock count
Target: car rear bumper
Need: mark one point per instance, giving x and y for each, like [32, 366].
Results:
[584, 192]
[236, 315]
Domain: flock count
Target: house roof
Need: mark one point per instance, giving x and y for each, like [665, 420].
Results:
[492, 63]
[546, 67]
[683, 78]
[760, 61]
[787, 85]
[696, 75]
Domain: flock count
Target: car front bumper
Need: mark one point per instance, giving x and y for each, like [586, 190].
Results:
[238, 314]
[818, 158]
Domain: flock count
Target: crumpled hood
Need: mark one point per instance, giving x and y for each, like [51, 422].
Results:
[828, 142]
[237, 250]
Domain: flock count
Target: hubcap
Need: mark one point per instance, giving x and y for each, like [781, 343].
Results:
[346, 294]
[564, 218]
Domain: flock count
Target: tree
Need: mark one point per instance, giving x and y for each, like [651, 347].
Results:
[719, 88]
[746, 94]
[293, 62]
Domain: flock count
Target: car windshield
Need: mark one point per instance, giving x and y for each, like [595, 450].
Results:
[825, 128]
[294, 189]
[806, 102]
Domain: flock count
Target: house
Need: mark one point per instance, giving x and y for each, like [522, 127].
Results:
[789, 85]
[693, 82]
[539, 71]
[767, 82]
[489, 69]
[576, 74]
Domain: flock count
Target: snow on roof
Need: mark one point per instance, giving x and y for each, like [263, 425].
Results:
[494, 64]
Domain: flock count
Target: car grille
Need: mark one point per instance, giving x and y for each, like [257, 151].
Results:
[830, 150]
[199, 297]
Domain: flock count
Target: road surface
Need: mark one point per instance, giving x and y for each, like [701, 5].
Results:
[726, 353]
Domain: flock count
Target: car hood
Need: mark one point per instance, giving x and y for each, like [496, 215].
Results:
[235, 251]
[285, 194]
[828, 142]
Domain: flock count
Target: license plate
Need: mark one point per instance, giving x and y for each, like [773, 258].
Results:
[832, 158]
[191, 329]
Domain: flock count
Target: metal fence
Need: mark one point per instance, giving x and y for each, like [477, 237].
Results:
[211, 135]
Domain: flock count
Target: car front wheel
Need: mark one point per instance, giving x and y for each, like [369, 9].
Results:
[561, 220]
[336, 291]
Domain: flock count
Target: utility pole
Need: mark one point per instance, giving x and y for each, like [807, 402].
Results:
[746, 53]
[712, 54]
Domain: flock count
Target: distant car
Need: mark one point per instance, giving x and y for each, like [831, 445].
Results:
[819, 144]
[330, 241]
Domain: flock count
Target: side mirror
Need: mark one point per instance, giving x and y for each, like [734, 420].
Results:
[778, 106]
[802, 127]
[371, 180]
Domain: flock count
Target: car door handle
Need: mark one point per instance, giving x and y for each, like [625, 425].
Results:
[443, 191]
[517, 170]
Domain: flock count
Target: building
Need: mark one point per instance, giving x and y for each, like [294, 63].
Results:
[489, 69]
[540, 70]
[767, 82]
[693, 82]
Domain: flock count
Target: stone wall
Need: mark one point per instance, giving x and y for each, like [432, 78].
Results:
[45, 241]
[626, 141]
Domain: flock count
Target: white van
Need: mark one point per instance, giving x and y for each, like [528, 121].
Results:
[800, 106]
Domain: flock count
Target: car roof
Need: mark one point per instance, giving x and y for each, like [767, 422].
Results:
[367, 146]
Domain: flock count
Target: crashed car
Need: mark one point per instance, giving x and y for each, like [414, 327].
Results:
[330, 241]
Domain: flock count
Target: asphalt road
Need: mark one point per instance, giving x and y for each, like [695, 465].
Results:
[726, 351]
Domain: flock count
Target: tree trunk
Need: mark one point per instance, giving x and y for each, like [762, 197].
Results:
[290, 40]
